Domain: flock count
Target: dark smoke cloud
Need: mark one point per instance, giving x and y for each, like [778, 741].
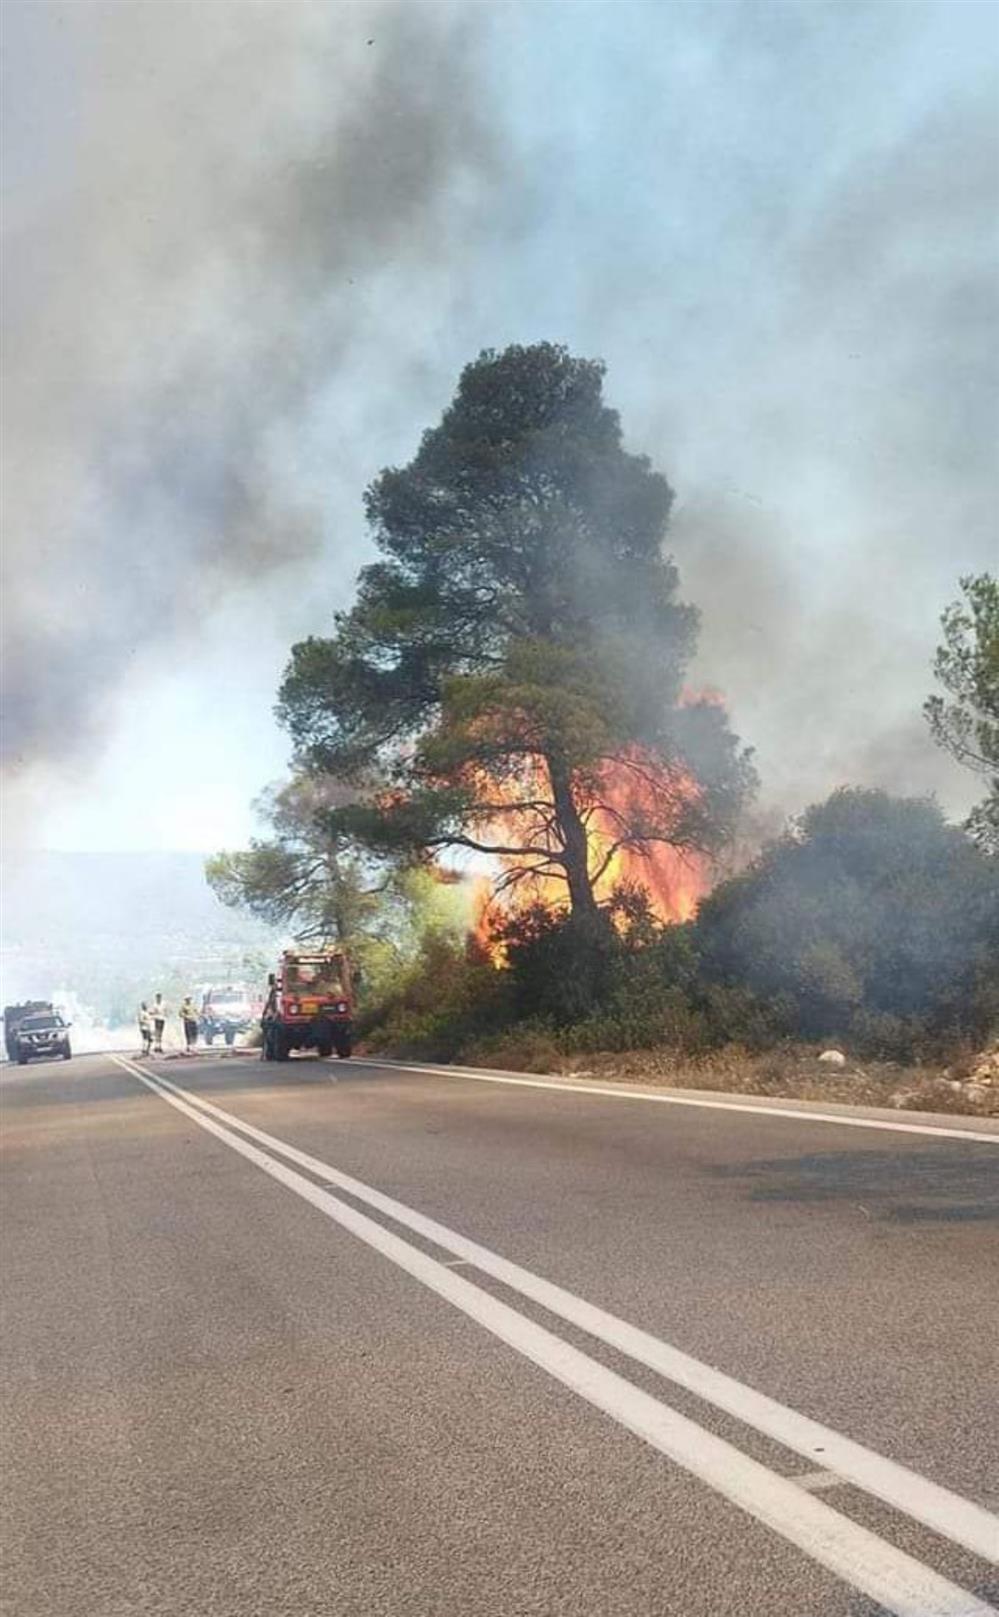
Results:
[197, 254]
[249, 252]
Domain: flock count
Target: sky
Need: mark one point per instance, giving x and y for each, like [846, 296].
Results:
[250, 246]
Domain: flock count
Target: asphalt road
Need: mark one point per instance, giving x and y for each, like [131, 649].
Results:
[648, 1360]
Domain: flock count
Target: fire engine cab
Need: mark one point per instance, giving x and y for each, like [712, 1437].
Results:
[309, 1005]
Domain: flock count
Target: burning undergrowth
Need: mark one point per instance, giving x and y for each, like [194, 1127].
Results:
[871, 925]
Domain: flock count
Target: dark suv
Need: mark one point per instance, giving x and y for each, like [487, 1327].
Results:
[41, 1035]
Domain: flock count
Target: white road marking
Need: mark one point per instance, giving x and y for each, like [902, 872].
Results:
[620, 1093]
[936, 1507]
[945, 1512]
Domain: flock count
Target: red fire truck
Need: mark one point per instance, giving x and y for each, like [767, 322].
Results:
[309, 1005]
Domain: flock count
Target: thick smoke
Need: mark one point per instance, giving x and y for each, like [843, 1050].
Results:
[196, 255]
[249, 252]
[851, 475]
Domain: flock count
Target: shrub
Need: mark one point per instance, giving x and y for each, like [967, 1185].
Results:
[447, 997]
[874, 918]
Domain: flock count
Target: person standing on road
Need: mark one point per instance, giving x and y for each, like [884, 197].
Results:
[189, 1017]
[159, 1014]
[145, 1028]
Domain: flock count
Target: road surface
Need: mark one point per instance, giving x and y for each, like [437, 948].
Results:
[348, 1339]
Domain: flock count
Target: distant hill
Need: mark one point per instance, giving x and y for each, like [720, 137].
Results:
[114, 893]
[108, 925]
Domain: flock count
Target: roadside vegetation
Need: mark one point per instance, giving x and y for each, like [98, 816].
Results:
[508, 695]
[871, 926]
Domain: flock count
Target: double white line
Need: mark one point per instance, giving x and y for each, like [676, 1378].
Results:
[900, 1583]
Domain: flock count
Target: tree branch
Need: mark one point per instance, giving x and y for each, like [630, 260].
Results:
[455, 841]
[604, 864]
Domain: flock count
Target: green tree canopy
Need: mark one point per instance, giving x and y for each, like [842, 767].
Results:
[308, 877]
[519, 642]
[302, 875]
[871, 908]
[966, 720]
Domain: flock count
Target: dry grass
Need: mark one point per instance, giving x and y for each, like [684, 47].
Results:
[789, 1072]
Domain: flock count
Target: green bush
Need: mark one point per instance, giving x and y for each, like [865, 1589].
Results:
[566, 973]
[873, 921]
[449, 996]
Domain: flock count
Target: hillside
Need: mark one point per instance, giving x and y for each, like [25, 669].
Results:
[107, 927]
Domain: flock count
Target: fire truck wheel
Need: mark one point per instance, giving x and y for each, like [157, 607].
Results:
[280, 1045]
[343, 1048]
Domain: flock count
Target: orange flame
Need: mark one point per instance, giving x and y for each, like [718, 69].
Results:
[675, 879]
[484, 917]
[627, 799]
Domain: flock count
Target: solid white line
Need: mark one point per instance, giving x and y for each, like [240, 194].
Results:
[901, 1584]
[617, 1093]
[936, 1507]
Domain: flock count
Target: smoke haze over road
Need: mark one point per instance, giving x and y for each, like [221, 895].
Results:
[249, 248]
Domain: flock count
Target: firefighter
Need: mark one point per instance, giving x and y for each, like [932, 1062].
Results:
[189, 1017]
[159, 1015]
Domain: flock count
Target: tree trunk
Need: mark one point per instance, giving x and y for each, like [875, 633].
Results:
[582, 903]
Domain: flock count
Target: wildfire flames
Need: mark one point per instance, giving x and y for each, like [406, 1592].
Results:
[628, 797]
[676, 880]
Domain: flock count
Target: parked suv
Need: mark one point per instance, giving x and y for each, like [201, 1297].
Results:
[45, 1035]
[14, 1014]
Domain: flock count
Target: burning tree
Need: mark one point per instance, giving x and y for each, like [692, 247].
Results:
[513, 667]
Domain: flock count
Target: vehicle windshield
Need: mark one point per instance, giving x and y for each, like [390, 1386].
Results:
[321, 976]
[227, 999]
[34, 1024]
